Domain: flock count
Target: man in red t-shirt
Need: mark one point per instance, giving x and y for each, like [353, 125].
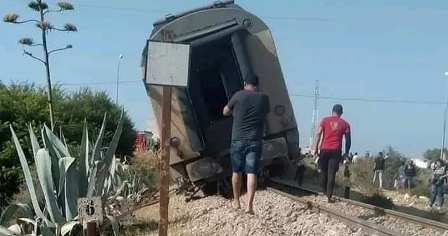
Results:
[329, 140]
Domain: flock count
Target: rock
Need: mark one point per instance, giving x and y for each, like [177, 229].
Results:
[331, 232]
[358, 232]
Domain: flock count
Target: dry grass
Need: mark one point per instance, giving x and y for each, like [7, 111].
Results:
[147, 165]
[362, 175]
[147, 219]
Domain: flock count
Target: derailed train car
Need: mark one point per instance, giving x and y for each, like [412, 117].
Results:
[227, 44]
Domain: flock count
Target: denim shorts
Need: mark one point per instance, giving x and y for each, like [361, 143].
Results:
[245, 156]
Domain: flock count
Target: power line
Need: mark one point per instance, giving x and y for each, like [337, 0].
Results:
[99, 83]
[140, 10]
[373, 100]
[313, 96]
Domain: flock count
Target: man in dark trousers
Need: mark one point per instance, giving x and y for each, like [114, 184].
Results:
[378, 169]
[410, 172]
[329, 137]
[248, 108]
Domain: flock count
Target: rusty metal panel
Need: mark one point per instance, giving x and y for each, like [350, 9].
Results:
[168, 64]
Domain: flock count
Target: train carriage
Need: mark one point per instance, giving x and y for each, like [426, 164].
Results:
[227, 45]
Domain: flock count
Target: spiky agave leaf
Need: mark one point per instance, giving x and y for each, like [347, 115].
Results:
[84, 162]
[34, 143]
[95, 159]
[62, 138]
[114, 223]
[70, 228]
[28, 177]
[46, 231]
[109, 155]
[54, 153]
[44, 173]
[11, 18]
[121, 189]
[70, 27]
[6, 232]
[71, 191]
[63, 164]
[12, 209]
[99, 142]
[66, 6]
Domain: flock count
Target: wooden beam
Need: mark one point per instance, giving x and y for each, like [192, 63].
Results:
[165, 160]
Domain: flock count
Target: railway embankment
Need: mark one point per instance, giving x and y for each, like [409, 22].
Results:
[214, 215]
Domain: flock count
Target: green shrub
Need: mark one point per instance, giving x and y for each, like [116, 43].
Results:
[422, 184]
[362, 175]
[23, 104]
[392, 166]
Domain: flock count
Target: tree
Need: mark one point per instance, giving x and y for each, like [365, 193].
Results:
[45, 27]
[433, 154]
[392, 165]
[92, 105]
[23, 104]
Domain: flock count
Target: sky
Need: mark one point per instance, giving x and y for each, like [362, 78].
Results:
[361, 49]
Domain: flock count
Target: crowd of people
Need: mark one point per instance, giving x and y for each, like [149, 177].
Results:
[405, 178]
[249, 108]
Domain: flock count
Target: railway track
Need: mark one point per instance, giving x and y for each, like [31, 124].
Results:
[372, 219]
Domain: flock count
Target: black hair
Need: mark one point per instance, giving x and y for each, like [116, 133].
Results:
[337, 108]
[253, 80]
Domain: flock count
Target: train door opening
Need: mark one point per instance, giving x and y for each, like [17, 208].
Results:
[214, 78]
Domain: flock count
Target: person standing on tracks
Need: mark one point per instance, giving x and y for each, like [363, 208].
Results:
[378, 169]
[328, 145]
[249, 109]
[300, 169]
[347, 175]
[410, 172]
[438, 177]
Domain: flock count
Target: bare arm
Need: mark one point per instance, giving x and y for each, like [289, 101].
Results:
[317, 140]
[348, 142]
[227, 111]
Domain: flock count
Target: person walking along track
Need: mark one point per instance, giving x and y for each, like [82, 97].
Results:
[328, 145]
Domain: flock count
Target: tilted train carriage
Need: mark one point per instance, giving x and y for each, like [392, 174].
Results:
[227, 44]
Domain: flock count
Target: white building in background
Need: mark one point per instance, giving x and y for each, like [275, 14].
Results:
[151, 125]
[420, 163]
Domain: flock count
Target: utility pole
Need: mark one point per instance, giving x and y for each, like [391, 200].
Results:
[445, 116]
[118, 76]
[315, 117]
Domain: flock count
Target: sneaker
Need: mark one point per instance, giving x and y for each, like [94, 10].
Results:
[439, 208]
[428, 206]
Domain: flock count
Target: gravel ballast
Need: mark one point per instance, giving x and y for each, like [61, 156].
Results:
[274, 215]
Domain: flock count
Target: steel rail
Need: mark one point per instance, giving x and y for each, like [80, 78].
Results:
[370, 228]
[416, 219]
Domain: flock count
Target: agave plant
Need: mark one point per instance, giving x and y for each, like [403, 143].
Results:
[63, 179]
